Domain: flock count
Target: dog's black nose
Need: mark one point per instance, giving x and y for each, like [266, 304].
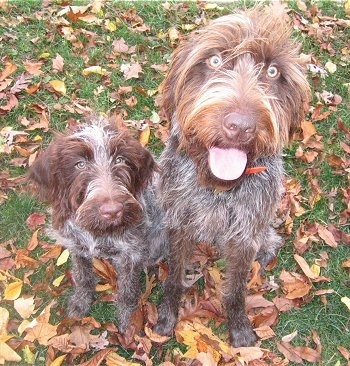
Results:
[239, 126]
[111, 210]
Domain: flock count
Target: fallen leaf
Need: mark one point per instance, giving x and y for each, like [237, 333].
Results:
[42, 332]
[346, 301]
[9, 69]
[330, 67]
[58, 86]
[94, 70]
[13, 290]
[58, 63]
[327, 236]
[305, 267]
[131, 70]
[24, 306]
[63, 258]
[294, 284]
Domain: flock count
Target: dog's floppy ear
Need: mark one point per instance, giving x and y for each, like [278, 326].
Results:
[146, 170]
[40, 174]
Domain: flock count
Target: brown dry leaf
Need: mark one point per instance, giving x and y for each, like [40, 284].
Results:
[9, 69]
[264, 332]
[307, 354]
[305, 267]
[24, 306]
[12, 103]
[344, 352]
[35, 219]
[42, 332]
[97, 359]
[294, 284]
[58, 63]
[131, 70]
[154, 337]
[120, 46]
[327, 236]
[33, 68]
[113, 359]
[287, 350]
[21, 83]
[33, 242]
[308, 129]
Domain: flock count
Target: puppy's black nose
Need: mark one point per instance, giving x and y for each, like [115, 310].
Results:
[111, 210]
[239, 126]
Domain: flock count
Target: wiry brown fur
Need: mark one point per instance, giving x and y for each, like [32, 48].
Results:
[251, 100]
[98, 181]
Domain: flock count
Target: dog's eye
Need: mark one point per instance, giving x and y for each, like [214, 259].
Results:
[215, 61]
[81, 165]
[272, 72]
[119, 160]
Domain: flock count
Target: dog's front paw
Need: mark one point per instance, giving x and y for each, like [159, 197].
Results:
[243, 336]
[166, 320]
[78, 305]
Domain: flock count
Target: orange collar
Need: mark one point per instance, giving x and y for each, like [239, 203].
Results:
[255, 169]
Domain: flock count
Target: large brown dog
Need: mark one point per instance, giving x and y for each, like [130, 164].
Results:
[234, 93]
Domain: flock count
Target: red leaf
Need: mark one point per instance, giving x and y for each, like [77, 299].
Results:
[35, 219]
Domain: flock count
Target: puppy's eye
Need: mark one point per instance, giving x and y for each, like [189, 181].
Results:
[215, 61]
[81, 165]
[120, 160]
[272, 72]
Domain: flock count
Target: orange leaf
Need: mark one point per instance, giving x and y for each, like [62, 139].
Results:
[8, 70]
[294, 284]
[33, 242]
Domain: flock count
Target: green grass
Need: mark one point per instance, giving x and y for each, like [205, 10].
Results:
[29, 30]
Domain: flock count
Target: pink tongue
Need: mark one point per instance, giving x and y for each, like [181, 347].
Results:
[227, 164]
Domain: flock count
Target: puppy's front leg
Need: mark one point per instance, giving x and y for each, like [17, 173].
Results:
[129, 289]
[84, 281]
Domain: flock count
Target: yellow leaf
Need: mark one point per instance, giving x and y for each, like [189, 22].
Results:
[346, 301]
[105, 287]
[58, 361]
[8, 354]
[23, 326]
[24, 307]
[113, 359]
[330, 67]
[28, 355]
[13, 290]
[347, 7]
[58, 86]
[94, 70]
[316, 269]
[111, 26]
[44, 55]
[144, 136]
[57, 281]
[62, 258]
[4, 319]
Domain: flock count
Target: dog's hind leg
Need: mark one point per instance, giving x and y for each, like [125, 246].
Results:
[84, 281]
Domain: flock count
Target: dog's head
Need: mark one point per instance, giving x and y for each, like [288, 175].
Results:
[237, 90]
[94, 175]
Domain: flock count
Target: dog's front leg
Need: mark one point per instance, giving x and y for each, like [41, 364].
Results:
[84, 281]
[238, 262]
[180, 252]
[129, 290]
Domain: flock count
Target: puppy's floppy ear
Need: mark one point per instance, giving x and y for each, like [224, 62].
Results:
[40, 173]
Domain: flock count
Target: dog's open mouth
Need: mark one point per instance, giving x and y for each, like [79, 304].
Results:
[227, 164]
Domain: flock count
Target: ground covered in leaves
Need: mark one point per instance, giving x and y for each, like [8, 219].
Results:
[58, 62]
